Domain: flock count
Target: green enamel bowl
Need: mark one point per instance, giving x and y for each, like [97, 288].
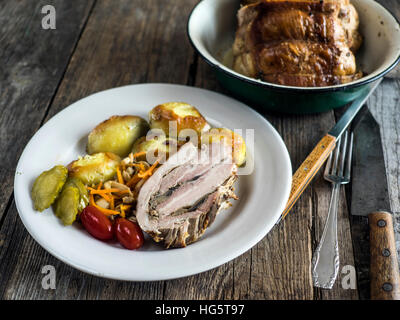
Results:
[211, 30]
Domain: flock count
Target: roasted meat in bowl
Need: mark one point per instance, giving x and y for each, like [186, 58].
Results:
[296, 56]
[298, 43]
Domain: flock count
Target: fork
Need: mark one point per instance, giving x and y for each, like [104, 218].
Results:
[325, 262]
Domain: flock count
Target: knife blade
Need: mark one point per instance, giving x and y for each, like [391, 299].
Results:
[351, 113]
[309, 168]
[370, 198]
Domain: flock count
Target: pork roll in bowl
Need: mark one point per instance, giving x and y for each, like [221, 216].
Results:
[296, 56]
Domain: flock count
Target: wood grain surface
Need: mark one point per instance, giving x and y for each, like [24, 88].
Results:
[32, 64]
[384, 272]
[384, 105]
[102, 44]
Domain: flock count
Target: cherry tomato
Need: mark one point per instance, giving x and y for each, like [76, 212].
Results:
[96, 223]
[128, 234]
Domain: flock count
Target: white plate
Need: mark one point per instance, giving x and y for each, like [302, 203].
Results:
[263, 194]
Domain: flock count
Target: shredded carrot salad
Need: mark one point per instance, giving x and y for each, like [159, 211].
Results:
[114, 196]
[148, 172]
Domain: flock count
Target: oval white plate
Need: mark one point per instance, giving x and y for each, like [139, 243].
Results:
[263, 194]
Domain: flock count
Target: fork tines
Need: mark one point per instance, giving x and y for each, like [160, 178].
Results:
[338, 167]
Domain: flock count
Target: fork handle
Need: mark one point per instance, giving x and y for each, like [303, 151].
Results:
[308, 169]
[384, 273]
[325, 262]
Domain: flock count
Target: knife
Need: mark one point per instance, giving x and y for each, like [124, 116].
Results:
[370, 199]
[309, 168]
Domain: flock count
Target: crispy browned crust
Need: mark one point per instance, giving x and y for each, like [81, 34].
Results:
[94, 169]
[297, 42]
[161, 116]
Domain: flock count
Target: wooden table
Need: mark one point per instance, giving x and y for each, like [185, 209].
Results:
[100, 44]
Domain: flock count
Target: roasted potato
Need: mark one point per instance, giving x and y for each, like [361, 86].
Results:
[117, 135]
[157, 146]
[227, 136]
[92, 169]
[185, 115]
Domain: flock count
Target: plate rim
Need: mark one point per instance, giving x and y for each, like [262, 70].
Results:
[216, 263]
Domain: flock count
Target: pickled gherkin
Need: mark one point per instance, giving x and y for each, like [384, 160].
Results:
[83, 193]
[47, 187]
[66, 207]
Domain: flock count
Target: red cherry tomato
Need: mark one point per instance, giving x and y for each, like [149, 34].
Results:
[128, 234]
[96, 223]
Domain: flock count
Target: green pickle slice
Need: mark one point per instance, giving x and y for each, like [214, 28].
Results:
[83, 192]
[67, 205]
[47, 187]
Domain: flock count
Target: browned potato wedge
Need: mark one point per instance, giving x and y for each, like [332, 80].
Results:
[185, 115]
[228, 136]
[92, 169]
[117, 135]
[158, 146]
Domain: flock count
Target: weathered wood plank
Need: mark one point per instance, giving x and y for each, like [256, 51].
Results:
[384, 105]
[32, 63]
[124, 42]
[140, 41]
[394, 7]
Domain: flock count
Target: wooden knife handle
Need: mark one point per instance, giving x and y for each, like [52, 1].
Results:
[308, 169]
[384, 273]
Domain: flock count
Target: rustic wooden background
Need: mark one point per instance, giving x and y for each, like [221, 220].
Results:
[100, 44]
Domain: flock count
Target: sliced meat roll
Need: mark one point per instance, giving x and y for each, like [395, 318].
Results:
[182, 198]
[306, 43]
